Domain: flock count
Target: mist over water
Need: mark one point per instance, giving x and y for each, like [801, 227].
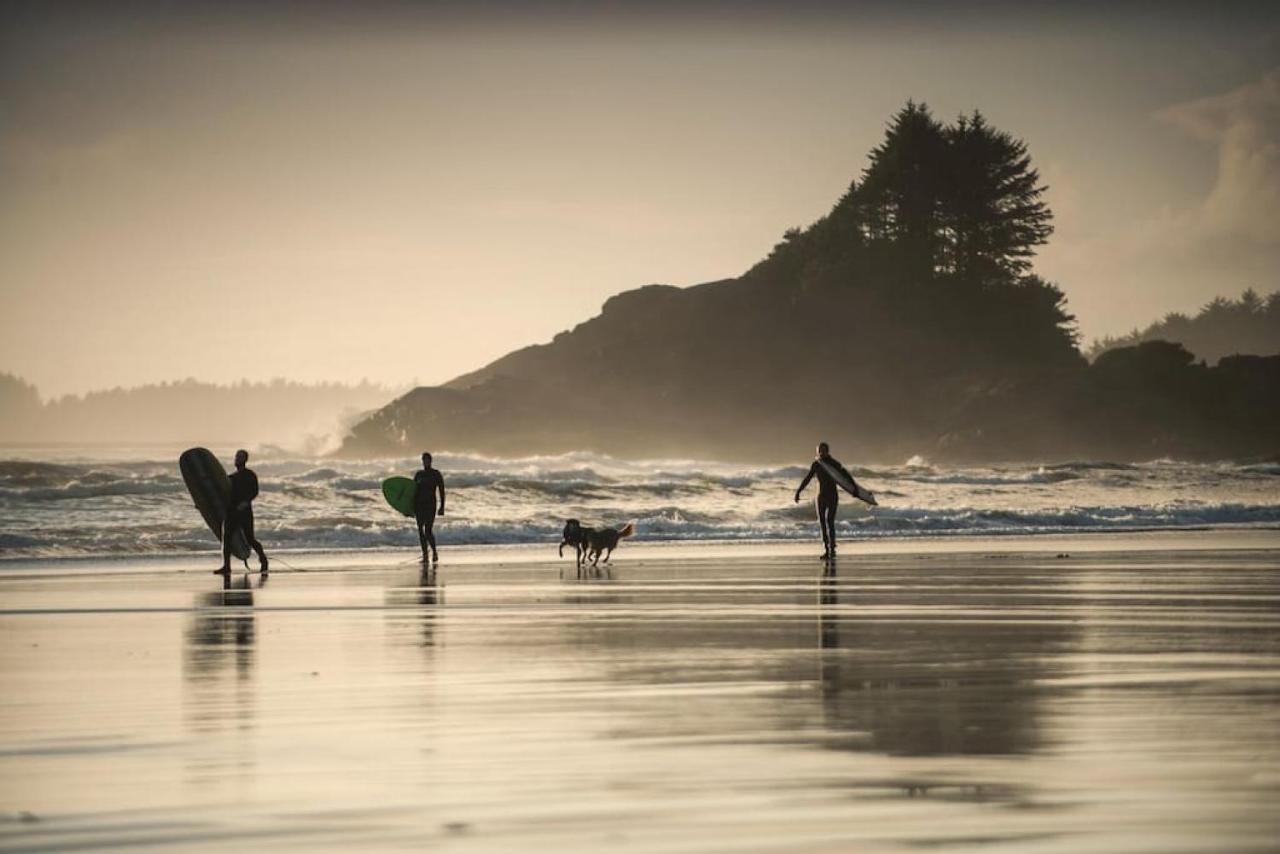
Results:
[133, 501]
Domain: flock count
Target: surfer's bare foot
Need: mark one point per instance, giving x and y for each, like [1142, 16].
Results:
[262, 567]
[226, 570]
[825, 556]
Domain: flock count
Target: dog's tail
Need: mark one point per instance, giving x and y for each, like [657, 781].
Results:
[627, 530]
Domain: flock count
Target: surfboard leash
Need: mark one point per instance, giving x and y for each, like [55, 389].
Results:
[286, 564]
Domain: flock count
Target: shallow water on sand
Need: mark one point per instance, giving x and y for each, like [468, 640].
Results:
[1101, 702]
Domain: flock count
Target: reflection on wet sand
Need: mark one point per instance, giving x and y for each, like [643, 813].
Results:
[892, 684]
[745, 703]
[586, 571]
[413, 602]
[936, 688]
[218, 672]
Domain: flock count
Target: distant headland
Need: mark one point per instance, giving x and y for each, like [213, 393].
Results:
[907, 320]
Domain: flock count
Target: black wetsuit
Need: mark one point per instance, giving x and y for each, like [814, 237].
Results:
[828, 499]
[244, 488]
[424, 507]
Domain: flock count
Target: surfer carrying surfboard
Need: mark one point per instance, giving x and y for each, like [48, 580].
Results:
[244, 488]
[830, 474]
[424, 505]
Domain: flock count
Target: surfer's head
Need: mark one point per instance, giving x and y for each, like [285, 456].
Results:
[242, 457]
[823, 449]
[426, 460]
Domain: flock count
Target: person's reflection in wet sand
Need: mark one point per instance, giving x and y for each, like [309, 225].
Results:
[828, 599]
[220, 639]
[910, 685]
[423, 594]
[219, 626]
[428, 597]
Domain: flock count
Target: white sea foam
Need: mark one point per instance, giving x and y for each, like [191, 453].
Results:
[69, 504]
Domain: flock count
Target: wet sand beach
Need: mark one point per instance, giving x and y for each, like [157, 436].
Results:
[1100, 694]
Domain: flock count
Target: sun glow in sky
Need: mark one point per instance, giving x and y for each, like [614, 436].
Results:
[401, 191]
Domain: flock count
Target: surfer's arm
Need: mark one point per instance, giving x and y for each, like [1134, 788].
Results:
[440, 484]
[808, 477]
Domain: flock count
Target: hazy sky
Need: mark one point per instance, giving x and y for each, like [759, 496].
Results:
[337, 191]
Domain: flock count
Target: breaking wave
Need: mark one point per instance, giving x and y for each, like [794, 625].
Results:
[69, 506]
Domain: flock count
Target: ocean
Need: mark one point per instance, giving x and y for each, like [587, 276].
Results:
[68, 502]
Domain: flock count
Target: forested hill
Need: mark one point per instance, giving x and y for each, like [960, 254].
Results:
[907, 320]
[1223, 327]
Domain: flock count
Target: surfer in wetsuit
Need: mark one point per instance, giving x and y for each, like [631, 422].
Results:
[424, 505]
[828, 496]
[244, 488]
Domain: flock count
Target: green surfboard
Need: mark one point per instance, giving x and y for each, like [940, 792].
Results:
[399, 492]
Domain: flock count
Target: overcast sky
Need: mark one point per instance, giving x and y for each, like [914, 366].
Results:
[399, 191]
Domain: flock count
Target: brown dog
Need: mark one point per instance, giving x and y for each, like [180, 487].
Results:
[590, 543]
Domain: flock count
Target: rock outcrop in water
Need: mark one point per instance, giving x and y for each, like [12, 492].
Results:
[906, 321]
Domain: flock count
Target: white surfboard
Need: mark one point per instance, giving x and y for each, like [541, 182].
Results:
[848, 484]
